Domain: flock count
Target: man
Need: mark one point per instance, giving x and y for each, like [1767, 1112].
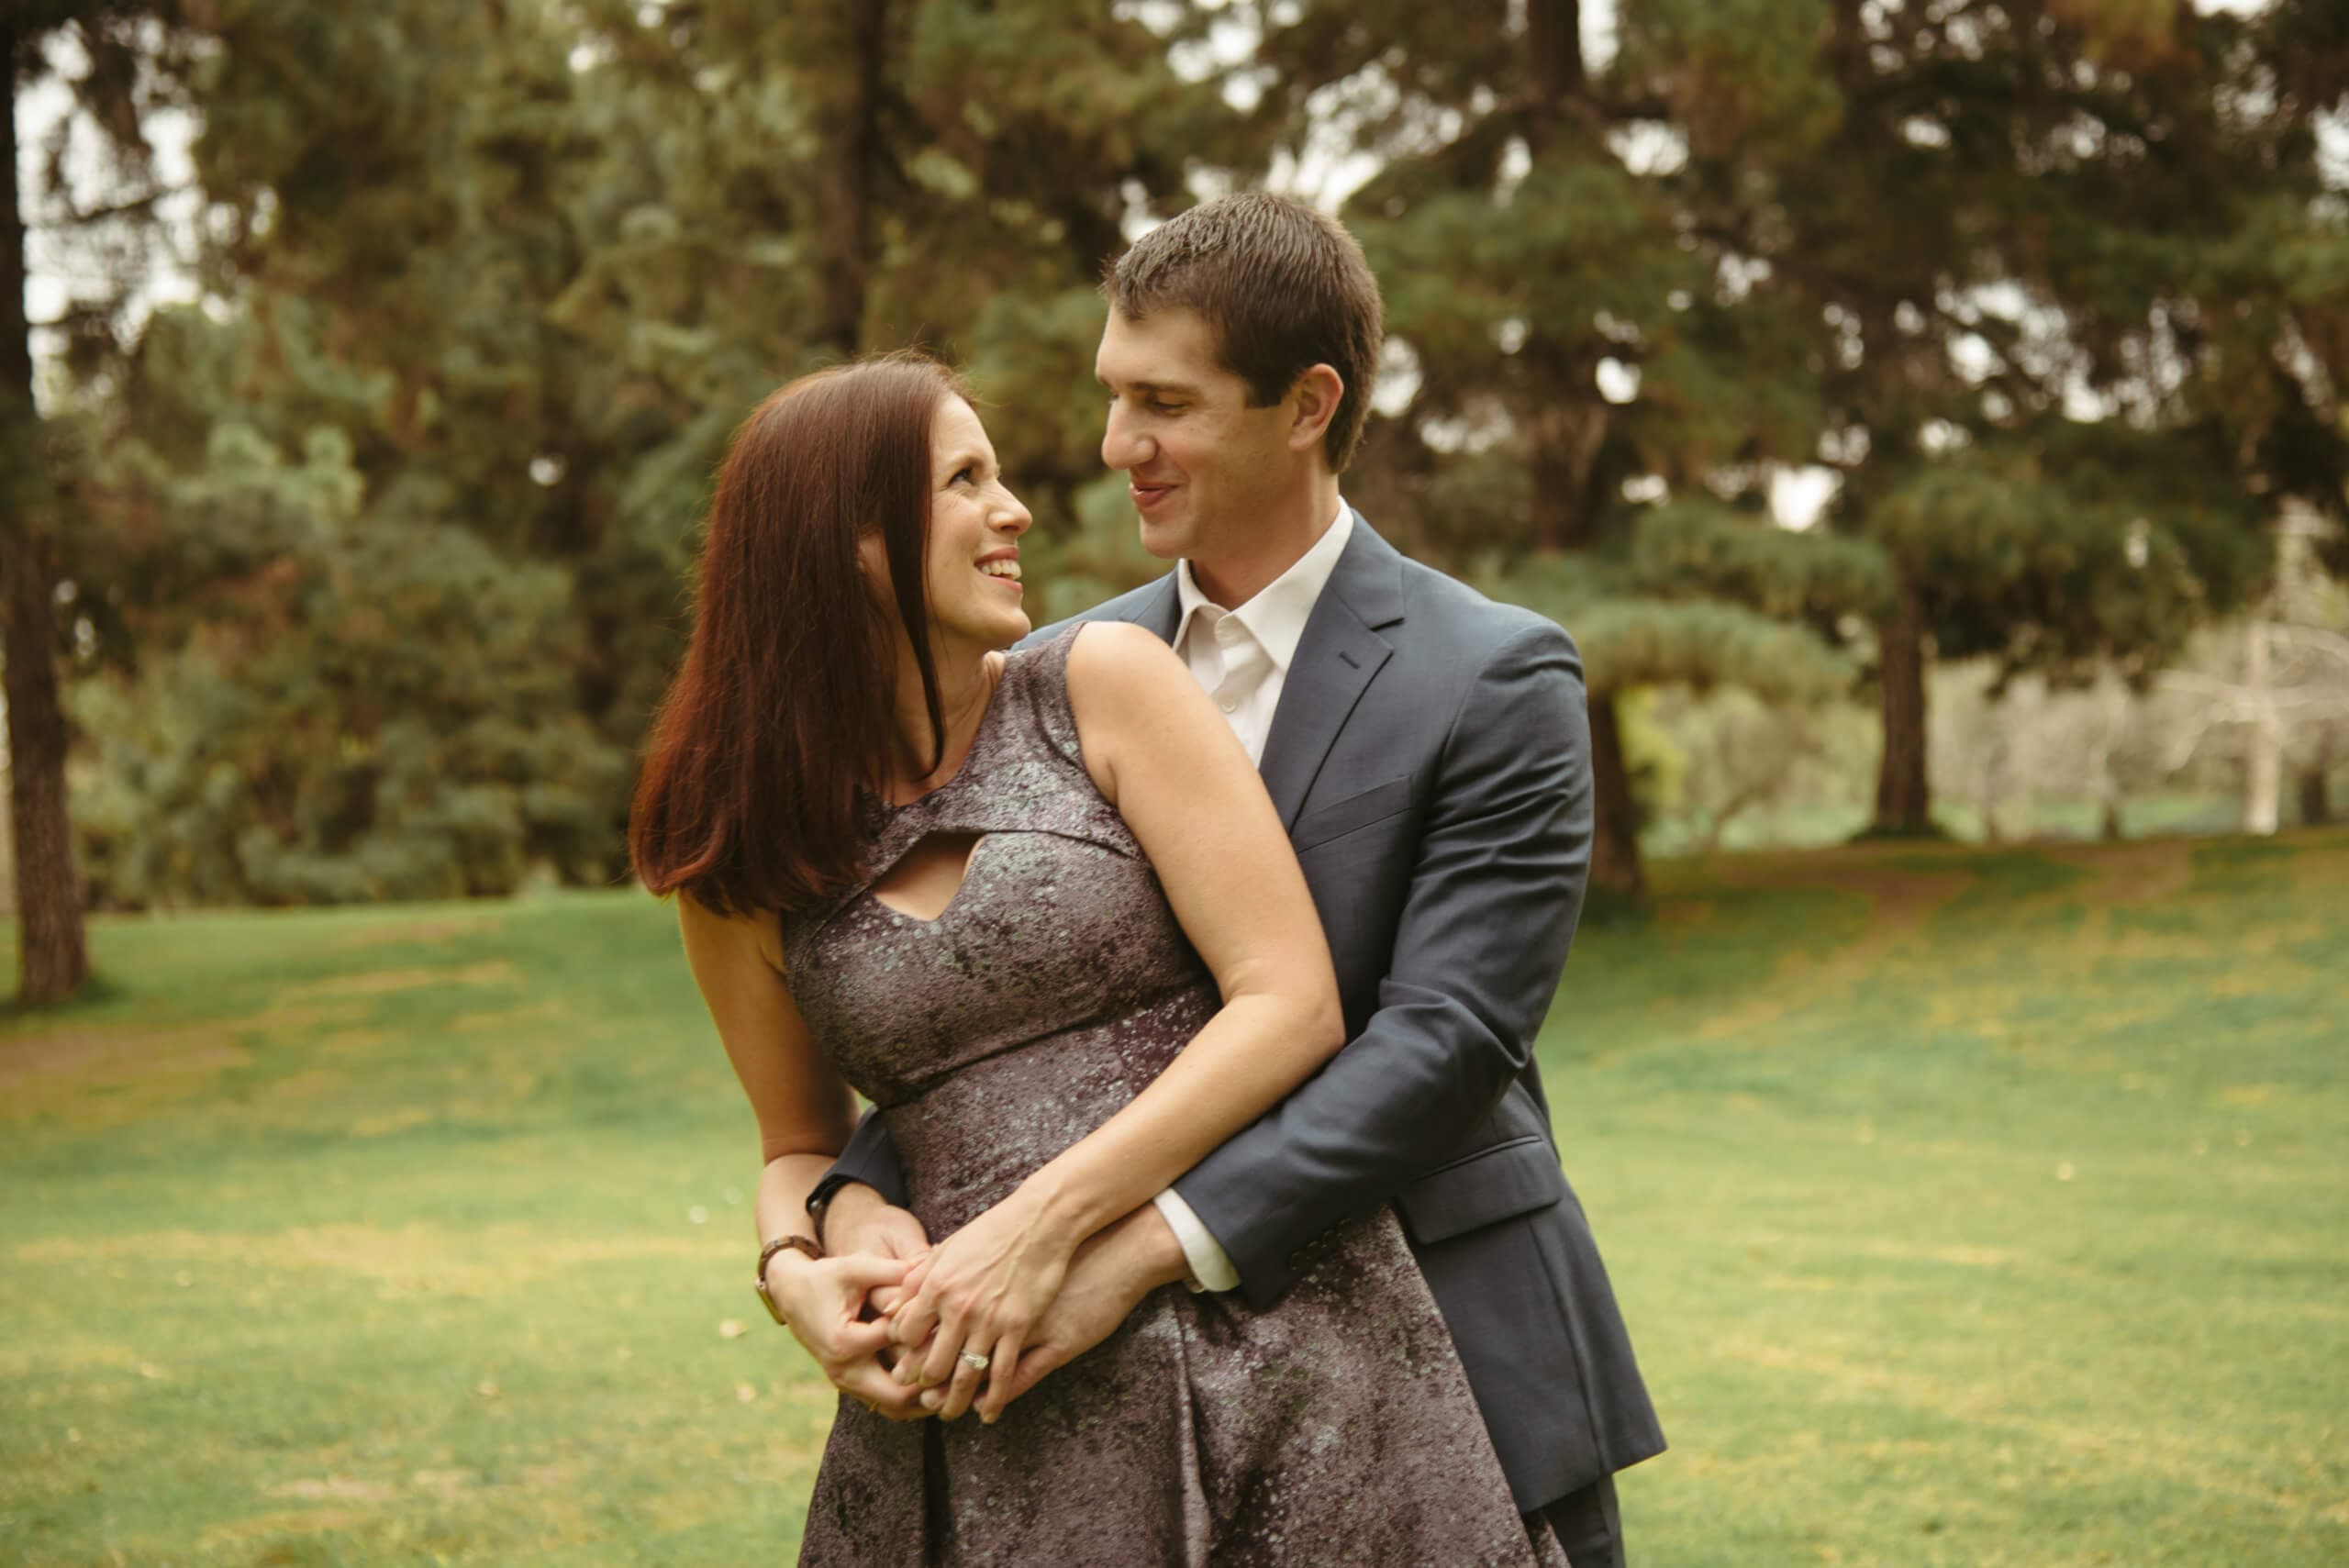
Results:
[1428, 751]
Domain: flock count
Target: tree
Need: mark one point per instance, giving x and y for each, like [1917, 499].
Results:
[2035, 212]
[334, 665]
[1582, 342]
[1727, 766]
[54, 955]
[53, 960]
[958, 188]
[401, 512]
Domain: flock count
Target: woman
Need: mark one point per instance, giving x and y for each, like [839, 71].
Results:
[1038, 908]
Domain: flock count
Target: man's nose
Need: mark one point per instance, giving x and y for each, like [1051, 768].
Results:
[1122, 446]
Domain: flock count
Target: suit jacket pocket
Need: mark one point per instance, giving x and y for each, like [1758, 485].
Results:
[1324, 823]
[1492, 1184]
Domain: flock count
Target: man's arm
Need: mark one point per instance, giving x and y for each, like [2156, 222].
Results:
[870, 1159]
[1496, 891]
[859, 1208]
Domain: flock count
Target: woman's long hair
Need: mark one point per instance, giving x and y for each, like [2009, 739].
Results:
[783, 704]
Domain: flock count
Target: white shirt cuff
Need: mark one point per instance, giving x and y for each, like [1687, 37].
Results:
[1210, 1264]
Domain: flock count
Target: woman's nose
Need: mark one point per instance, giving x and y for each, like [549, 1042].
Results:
[1011, 516]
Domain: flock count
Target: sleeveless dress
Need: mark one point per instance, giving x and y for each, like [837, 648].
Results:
[1336, 1428]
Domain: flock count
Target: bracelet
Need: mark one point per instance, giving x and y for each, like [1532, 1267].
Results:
[820, 1203]
[799, 1244]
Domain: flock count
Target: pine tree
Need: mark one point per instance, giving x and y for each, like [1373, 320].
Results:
[403, 511]
[34, 499]
[1587, 342]
[1906, 241]
[2040, 256]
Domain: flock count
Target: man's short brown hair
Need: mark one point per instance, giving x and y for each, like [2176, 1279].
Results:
[1281, 286]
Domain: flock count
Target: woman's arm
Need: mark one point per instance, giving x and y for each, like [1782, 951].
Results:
[1161, 753]
[1166, 759]
[805, 1112]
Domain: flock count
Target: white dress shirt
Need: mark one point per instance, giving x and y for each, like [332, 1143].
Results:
[1241, 658]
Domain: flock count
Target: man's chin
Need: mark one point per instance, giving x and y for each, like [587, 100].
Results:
[1162, 540]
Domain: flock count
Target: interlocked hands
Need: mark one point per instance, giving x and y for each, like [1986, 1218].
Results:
[972, 1304]
[1002, 1287]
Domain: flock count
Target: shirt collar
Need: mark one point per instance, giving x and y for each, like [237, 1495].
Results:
[1275, 618]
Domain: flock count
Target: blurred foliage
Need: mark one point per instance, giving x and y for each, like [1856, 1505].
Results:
[1726, 768]
[380, 548]
[389, 534]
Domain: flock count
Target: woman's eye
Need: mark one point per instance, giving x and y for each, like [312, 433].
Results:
[962, 475]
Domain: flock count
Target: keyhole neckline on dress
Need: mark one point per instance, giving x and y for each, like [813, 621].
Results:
[928, 857]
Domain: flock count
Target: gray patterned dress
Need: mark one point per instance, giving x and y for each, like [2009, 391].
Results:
[1335, 1428]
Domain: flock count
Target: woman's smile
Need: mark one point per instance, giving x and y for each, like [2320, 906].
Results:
[1002, 566]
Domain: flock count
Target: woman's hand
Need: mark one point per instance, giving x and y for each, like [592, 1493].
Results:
[979, 1292]
[822, 1302]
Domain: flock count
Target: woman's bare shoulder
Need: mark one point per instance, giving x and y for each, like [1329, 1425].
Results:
[1117, 658]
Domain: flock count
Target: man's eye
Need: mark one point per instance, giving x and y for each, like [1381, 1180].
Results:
[1166, 408]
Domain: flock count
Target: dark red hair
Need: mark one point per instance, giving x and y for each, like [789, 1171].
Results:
[783, 707]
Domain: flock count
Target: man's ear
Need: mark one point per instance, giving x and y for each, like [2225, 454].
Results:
[1317, 395]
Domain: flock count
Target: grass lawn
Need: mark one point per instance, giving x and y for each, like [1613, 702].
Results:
[1967, 1208]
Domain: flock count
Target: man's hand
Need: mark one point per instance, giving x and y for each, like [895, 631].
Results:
[1108, 1276]
[860, 1220]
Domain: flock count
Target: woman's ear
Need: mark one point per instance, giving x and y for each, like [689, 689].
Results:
[1317, 395]
[873, 557]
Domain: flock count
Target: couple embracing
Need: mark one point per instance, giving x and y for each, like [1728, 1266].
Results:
[1191, 953]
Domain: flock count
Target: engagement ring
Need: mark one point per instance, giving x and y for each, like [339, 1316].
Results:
[974, 1360]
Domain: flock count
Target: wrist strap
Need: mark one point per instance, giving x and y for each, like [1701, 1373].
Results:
[799, 1244]
[819, 1203]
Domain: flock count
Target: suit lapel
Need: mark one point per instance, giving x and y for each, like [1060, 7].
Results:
[1336, 660]
[1161, 610]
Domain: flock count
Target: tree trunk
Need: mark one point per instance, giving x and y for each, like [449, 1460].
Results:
[2112, 721]
[2263, 751]
[1903, 800]
[1554, 57]
[1615, 869]
[853, 155]
[2316, 802]
[54, 955]
[1566, 422]
[1564, 417]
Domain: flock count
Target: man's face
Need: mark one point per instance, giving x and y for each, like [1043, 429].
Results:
[1203, 468]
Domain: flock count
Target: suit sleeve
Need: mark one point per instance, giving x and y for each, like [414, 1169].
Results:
[1495, 892]
[869, 1158]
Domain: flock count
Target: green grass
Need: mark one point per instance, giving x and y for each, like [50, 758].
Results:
[1967, 1208]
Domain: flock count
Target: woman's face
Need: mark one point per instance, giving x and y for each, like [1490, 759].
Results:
[974, 528]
